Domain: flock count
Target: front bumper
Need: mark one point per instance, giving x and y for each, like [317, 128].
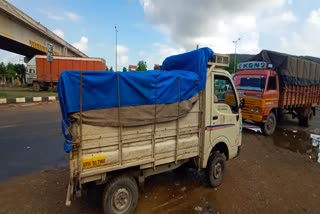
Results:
[253, 117]
[29, 81]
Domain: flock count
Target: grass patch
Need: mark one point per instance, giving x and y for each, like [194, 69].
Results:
[16, 94]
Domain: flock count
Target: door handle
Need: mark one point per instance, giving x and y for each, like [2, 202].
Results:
[215, 118]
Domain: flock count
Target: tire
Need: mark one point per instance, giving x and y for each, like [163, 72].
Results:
[215, 169]
[52, 88]
[305, 121]
[269, 127]
[36, 86]
[120, 195]
[310, 117]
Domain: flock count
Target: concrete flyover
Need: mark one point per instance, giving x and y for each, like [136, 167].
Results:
[21, 34]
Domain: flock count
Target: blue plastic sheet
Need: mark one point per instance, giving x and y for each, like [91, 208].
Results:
[182, 77]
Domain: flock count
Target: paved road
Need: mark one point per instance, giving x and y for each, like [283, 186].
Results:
[30, 139]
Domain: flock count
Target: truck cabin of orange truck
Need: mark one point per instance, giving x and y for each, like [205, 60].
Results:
[273, 83]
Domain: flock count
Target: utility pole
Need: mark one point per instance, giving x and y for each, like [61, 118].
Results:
[235, 54]
[115, 28]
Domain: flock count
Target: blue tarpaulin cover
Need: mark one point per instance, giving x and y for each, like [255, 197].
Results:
[182, 77]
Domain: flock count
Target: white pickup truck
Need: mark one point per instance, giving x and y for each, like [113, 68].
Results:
[120, 158]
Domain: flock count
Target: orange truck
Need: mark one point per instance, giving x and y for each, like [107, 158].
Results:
[273, 84]
[42, 74]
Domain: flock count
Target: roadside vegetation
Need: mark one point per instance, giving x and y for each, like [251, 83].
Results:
[24, 93]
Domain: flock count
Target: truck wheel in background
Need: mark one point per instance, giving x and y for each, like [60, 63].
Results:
[51, 87]
[36, 86]
[269, 126]
[120, 195]
[310, 118]
[215, 169]
[305, 121]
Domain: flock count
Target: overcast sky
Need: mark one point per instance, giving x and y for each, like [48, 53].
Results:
[150, 30]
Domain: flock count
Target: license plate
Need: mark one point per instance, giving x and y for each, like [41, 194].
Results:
[94, 161]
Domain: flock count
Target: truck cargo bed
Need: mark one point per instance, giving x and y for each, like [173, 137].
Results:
[110, 148]
[299, 96]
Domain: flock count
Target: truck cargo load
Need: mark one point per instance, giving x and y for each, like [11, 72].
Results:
[135, 93]
[121, 127]
[292, 70]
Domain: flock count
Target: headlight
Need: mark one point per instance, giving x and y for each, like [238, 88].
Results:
[252, 110]
[257, 111]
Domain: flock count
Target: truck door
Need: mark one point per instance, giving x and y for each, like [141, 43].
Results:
[225, 113]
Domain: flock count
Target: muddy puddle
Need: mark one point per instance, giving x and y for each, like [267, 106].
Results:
[291, 137]
[179, 191]
[297, 140]
[293, 140]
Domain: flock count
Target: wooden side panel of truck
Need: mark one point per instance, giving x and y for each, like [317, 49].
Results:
[299, 96]
[106, 149]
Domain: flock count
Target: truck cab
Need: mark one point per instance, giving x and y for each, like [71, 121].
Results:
[258, 85]
[31, 72]
[224, 108]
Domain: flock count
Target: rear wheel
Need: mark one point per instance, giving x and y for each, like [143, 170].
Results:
[305, 121]
[36, 86]
[215, 169]
[120, 195]
[269, 126]
[310, 117]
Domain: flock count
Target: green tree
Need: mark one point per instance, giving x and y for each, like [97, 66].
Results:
[142, 66]
[111, 69]
[124, 69]
[107, 69]
[21, 72]
[230, 69]
[10, 71]
[3, 71]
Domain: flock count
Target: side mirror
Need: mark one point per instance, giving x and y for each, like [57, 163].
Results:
[242, 103]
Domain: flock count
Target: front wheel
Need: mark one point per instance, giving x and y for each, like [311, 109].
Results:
[269, 126]
[215, 169]
[120, 195]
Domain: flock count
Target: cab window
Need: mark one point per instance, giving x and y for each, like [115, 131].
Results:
[225, 93]
[31, 71]
[272, 85]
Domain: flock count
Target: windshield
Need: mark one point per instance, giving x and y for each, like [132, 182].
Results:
[252, 83]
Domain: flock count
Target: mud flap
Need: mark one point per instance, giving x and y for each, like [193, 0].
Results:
[68, 198]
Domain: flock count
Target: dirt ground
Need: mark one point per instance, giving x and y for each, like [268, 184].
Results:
[272, 175]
